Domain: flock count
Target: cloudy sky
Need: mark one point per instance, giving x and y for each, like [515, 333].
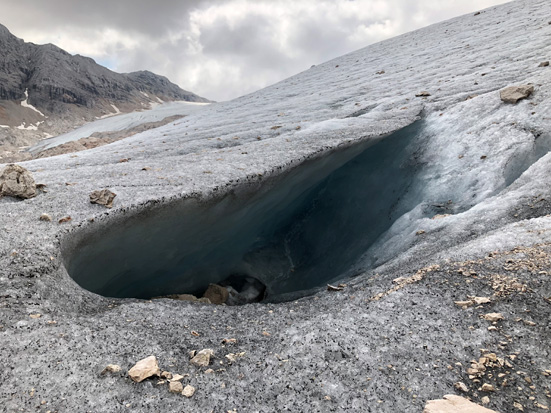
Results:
[221, 49]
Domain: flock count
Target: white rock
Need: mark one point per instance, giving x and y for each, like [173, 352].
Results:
[188, 391]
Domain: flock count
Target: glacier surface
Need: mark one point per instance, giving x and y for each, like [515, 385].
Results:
[457, 207]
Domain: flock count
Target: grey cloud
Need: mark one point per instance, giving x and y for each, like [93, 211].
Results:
[205, 48]
[143, 16]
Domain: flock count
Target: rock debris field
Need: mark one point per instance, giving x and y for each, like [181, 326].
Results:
[439, 266]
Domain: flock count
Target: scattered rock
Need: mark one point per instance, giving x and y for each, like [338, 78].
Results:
[216, 294]
[188, 391]
[35, 316]
[422, 94]
[166, 375]
[493, 317]
[485, 400]
[544, 64]
[65, 219]
[175, 387]
[487, 387]
[481, 300]
[104, 197]
[461, 387]
[45, 217]
[111, 368]
[464, 304]
[454, 404]
[202, 358]
[177, 377]
[232, 357]
[145, 368]
[380, 72]
[513, 94]
[17, 182]
[420, 232]
[227, 341]
[518, 406]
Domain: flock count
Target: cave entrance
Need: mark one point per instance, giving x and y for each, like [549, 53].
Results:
[292, 233]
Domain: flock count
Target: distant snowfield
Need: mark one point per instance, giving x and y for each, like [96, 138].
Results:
[117, 122]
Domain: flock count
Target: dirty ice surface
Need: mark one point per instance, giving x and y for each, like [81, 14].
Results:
[116, 122]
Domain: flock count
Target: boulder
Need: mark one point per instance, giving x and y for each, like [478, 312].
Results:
[216, 294]
[145, 368]
[17, 182]
[104, 197]
[454, 404]
[513, 94]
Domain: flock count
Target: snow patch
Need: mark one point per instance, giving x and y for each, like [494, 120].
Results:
[27, 105]
[31, 127]
[4, 126]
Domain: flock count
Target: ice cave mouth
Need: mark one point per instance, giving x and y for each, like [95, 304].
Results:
[285, 237]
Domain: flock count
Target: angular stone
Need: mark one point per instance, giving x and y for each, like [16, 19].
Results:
[454, 404]
[166, 375]
[104, 197]
[145, 368]
[487, 387]
[513, 94]
[17, 182]
[493, 317]
[202, 358]
[188, 391]
[481, 300]
[544, 64]
[216, 294]
[175, 387]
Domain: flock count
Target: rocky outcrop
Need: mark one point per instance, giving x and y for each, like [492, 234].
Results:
[56, 79]
[46, 91]
[17, 182]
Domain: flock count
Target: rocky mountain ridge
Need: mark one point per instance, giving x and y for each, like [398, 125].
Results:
[45, 91]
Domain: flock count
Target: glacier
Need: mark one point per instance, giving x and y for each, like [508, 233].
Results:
[340, 174]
